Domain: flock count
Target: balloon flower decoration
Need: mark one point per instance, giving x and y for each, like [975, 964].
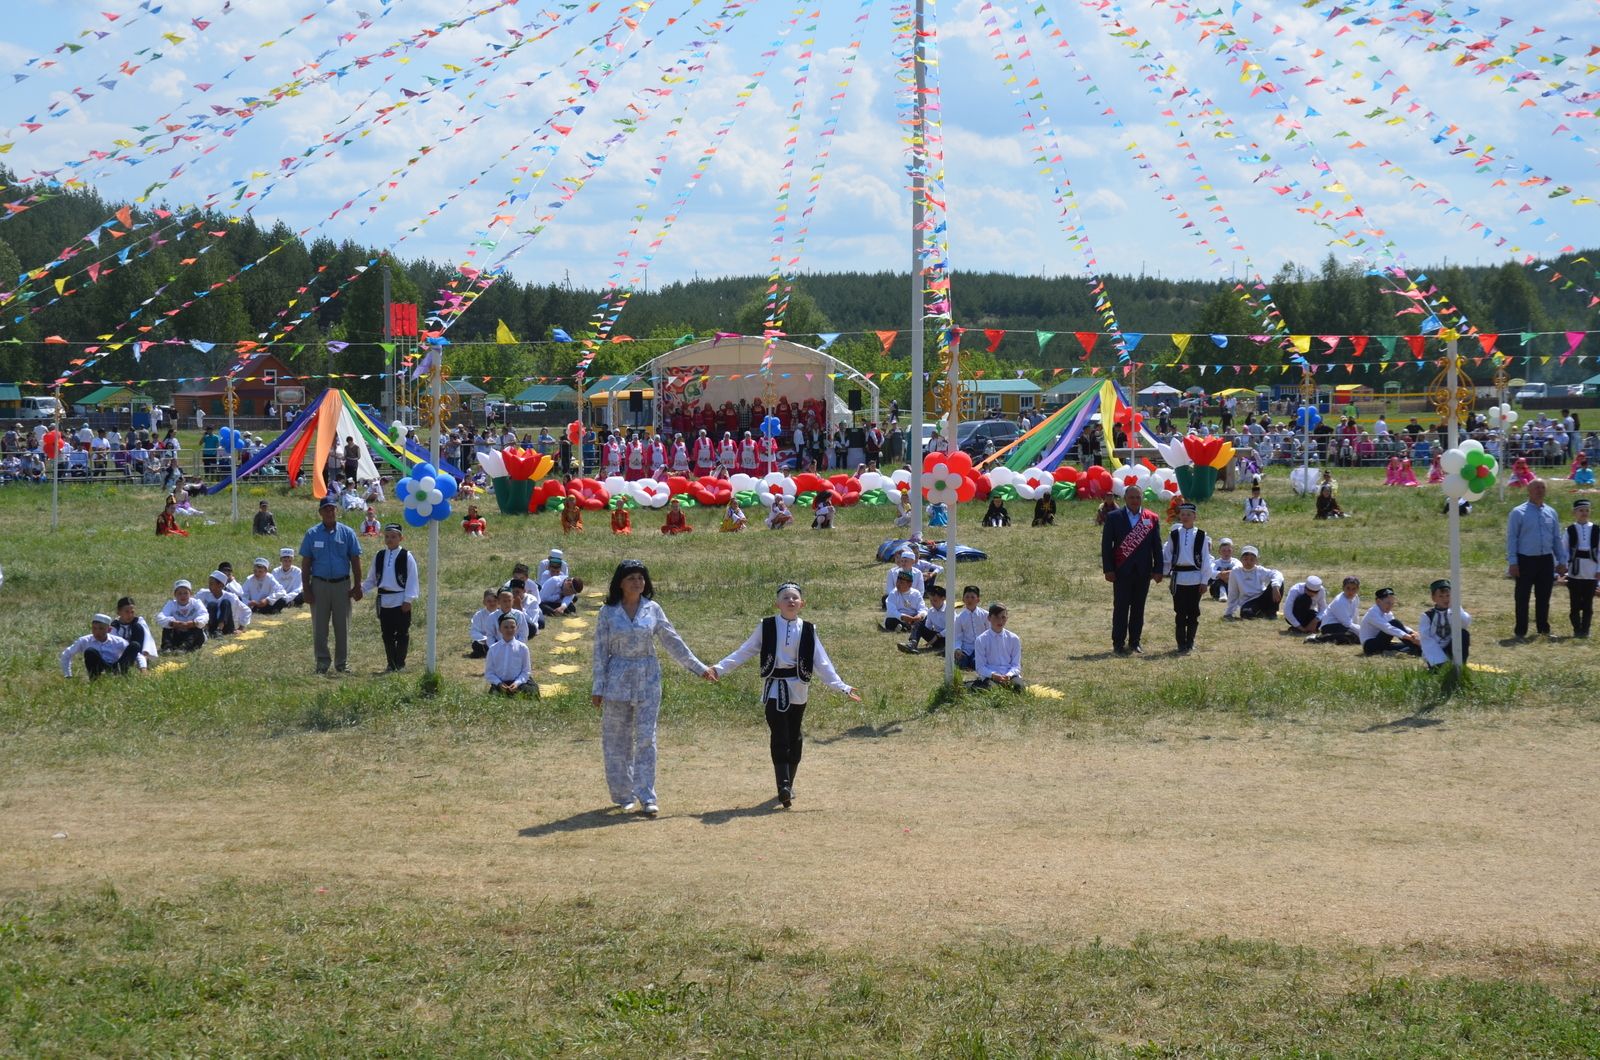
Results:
[1469, 472]
[948, 478]
[1196, 461]
[771, 426]
[426, 494]
[230, 440]
[1307, 418]
[51, 444]
[514, 472]
[1501, 417]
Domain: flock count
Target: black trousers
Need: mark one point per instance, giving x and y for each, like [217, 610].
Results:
[1339, 633]
[920, 632]
[1466, 648]
[222, 619]
[1128, 594]
[394, 623]
[1383, 643]
[182, 639]
[1186, 612]
[1536, 575]
[1581, 595]
[98, 667]
[784, 726]
[480, 650]
[1263, 606]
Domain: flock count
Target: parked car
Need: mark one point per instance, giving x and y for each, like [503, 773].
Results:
[1531, 391]
[978, 438]
[39, 408]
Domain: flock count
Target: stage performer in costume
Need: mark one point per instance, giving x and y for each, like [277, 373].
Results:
[727, 452]
[1130, 558]
[705, 454]
[676, 523]
[621, 521]
[1583, 574]
[627, 683]
[636, 458]
[680, 455]
[790, 653]
[1187, 559]
[611, 456]
[571, 516]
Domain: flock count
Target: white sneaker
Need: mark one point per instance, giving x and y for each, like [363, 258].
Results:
[650, 809]
[628, 807]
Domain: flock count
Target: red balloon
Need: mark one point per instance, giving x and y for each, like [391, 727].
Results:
[1065, 473]
[51, 443]
[592, 496]
[807, 482]
[713, 492]
[1095, 483]
[982, 487]
[957, 461]
[521, 463]
[575, 432]
[543, 492]
[677, 484]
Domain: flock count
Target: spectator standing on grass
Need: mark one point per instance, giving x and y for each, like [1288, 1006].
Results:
[330, 566]
[1130, 558]
[627, 683]
[1536, 551]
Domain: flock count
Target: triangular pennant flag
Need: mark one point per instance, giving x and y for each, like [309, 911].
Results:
[1574, 340]
[1387, 342]
[1131, 340]
[828, 339]
[1220, 341]
[502, 334]
[1182, 342]
[1487, 341]
[994, 335]
[1044, 338]
[1359, 343]
[887, 338]
[1301, 343]
[1086, 339]
[1418, 343]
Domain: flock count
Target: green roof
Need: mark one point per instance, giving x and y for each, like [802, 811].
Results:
[612, 384]
[106, 395]
[1593, 380]
[549, 393]
[461, 386]
[1073, 386]
[999, 386]
[10, 393]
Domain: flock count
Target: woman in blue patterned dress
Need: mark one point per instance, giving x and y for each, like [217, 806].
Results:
[627, 683]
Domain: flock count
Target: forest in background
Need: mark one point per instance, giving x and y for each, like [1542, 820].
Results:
[292, 277]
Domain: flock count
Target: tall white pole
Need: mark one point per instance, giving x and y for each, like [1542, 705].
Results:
[919, 160]
[1453, 418]
[436, 387]
[952, 587]
[55, 469]
[232, 452]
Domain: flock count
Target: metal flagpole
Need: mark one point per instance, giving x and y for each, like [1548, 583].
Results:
[951, 586]
[55, 469]
[436, 388]
[1308, 398]
[391, 361]
[1501, 378]
[1453, 414]
[233, 450]
[919, 159]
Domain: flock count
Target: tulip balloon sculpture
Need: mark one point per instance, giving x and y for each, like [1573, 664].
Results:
[514, 472]
[1196, 461]
[947, 478]
[1469, 472]
[426, 494]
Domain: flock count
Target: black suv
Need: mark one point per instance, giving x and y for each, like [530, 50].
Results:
[979, 438]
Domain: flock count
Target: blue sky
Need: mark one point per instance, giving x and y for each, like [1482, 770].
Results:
[1002, 210]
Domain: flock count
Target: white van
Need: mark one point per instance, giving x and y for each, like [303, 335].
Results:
[1532, 390]
[38, 408]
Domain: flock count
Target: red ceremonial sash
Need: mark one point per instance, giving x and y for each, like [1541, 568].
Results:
[1135, 537]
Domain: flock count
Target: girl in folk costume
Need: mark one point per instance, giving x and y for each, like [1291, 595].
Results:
[658, 459]
[167, 522]
[676, 523]
[473, 523]
[627, 683]
[822, 511]
[790, 653]
[733, 518]
[747, 454]
[680, 455]
[779, 516]
[1391, 477]
[767, 454]
[727, 452]
[1408, 477]
[1436, 469]
[369, 525]
[705, 455]
[571, 516]
[785, 413]
[611, 455]
[636, 457]
[1521, 475]
[621, 521]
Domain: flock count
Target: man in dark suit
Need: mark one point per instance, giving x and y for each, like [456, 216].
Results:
[1130, 556]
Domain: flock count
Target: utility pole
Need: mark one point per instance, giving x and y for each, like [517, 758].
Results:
[919, 162]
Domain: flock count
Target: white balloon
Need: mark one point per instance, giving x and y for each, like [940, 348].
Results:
[742, 483]
[1453, 460]
[1471, 445]
[493, 464]
[1303, 480]
[425, 509]
[616, 484]
[425, 483]
[872, 480]
[435, 497]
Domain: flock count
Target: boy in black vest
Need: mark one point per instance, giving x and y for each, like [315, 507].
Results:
[790, 654]
[394, 575]
[1187, 559]
[1583, 548]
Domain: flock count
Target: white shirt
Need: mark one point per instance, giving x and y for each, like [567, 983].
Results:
[1245, 584]
[1296, 591]
[787, 654]
[486, 624]
[907, 603]
[520, 616]
[1185, 556]
[262, 589]
[288, 580]
[545, 570]
[508, 661]
[934, 619]
[1376, 622]
[1344, 610]
[1588, 538]
[550, 591]
[110, 650]
[193, 611]
[1433, 630]
[969, 627]
[241, 613]
[998, 653]
[894, 573]
[389, 592]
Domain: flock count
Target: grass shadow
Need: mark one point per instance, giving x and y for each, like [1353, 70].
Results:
[583, 821]
[1411, 722]
[716, 817]
[864, 732]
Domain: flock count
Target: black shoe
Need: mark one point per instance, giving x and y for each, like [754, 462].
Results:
[1120, 650]
[786, 797]
[909, 649]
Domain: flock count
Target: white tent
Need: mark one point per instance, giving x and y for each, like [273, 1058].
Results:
[1159, 390]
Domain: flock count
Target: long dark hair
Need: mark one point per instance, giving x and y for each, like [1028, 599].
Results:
[625, 568]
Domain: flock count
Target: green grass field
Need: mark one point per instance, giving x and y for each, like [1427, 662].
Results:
[1266, 848]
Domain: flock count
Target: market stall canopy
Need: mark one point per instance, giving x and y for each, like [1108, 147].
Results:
[1159, 390]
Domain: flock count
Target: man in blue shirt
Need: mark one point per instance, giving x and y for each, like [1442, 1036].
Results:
[330, 566]
[1536, 551]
